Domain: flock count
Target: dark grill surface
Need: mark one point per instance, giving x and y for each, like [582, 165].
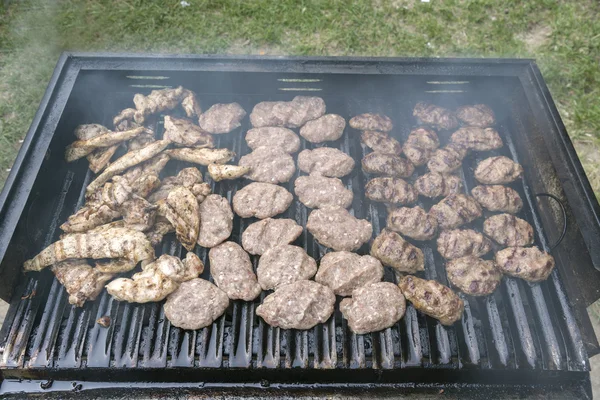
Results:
[521, 327]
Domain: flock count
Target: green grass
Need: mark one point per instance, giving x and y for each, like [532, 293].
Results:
[564, 37]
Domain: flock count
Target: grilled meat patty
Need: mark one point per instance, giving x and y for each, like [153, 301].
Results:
[387, 164]
[272, 136]
[498, 170]
[231, 268]
[222, 118]
[455, 210]
[338, 229]
[344, 271]
[473, 276]
[432, 298]
[315, 191]
[285, 264]
[381, 142]
[371, 122]
[528, 263]
[327, 128]
[216, 221]
[298, 305]
[290, 114]
[478, 139]
[392, 250]
[498, 198]
[391, 191]
[325, 161]
[261, 200]
[434, 184]
[457, 243]
[447, 159]
[436, 116]
[508, 230]
[269, 232]
[269, 164]
[413, 222]
[373, 307]
[476, 115]
[420, 144]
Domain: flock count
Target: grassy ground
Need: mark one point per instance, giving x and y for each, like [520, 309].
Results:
[563, 36]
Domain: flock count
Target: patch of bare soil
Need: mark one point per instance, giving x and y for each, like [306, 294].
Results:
[536, 37]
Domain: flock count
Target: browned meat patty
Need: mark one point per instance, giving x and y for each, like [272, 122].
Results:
[325, 161]
[528, 263]
[508, 230]
[432, 298]
[371, 122]
[373, 307]
[381, 142]
[455, 210]
[269, 232]
[216, 220]
[420, 145]
[344, 271]
[412, 222]
[391, 191]
[478, 139]
[290, 114]
[498, 198]
[387, 164]
[476, 115]
[447, 159]
[457, 243]
[299, 305]
[231, 268]
[436, 116]
[272, 136]
[316, 191]
[498, 170]
[261, 200]
[222, 118]
[196, 304]
[392, 250]
[269, 164]
[329, 127]
[338, 229]
[473, 276]
[434, 184]
[283, 265]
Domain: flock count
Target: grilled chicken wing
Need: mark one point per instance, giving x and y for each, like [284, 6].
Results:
[344, 271]
[219, 172]
[82, 148]
[283, 265]
[478, 139]
[81, 281]
[508, 230]
[436, 116]
[181, 209]
[329, 127]
[420, 145]
[412, 222]
[455, 210]
[387, 164]
[315, 191]
[476, 115]
[447, 159]
[222, 118]
[325, 161]
[380, 142]
[392, 250]
[269, 164]
[459, 243]
[473, 276]
[201, 156]
[498, 198]
[185, 133]
[290, 114]
[498, 170]
[371, 122]
[231, 268]
[338, 229]
[528, 263]
[261, 200]
[157, 101]
[273, 136]
[390, 190]
[434, 184]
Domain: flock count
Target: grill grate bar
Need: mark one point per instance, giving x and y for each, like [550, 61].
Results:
[100, 339]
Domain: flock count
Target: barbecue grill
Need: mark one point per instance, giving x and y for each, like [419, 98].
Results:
[524, 340]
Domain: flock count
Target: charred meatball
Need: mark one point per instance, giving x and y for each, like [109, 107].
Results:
[508, 230]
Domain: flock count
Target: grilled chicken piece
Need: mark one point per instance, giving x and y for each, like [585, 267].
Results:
[329, 127]
[99, 158]
[290, 114]
[447, 159]
[81, 281]
[273, 136]
[392, 250]
[175, 269]
[127, 161]
[138, 211]
[219, 172]
[261, 200]
[325, 161]
[160, 228]
[191, 105]
[269, 232]
[222, 118]
[185, 133]
[124, 120]
[344, 271]
[528, 263]
[231, 269]
[412, 222]
[436, 116]
[299, 305]
[190, 178]
[387, 164]
[216, 221]
[269, 164]
[201, 156]
[315, 191]
[89, 131]
[115, 266]
[195, 304]
[381, 142]
[157, 101]
[420, 145]
[373, 307]
[478, 115]
[508, 230]
[338, 229]
[432, 298]
[478, 139]
[89, 217]
[371, 122]
[455, 210]
[459, 243]
[283, 265]
[143, 178]
[498, 198]
[181, 209]
[147, 286]
[473, 276]
[434, 184]
[391, 191]
[498, 170]
[111, 243]
[82, 148]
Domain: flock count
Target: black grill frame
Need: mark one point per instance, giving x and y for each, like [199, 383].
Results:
[563, 357]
